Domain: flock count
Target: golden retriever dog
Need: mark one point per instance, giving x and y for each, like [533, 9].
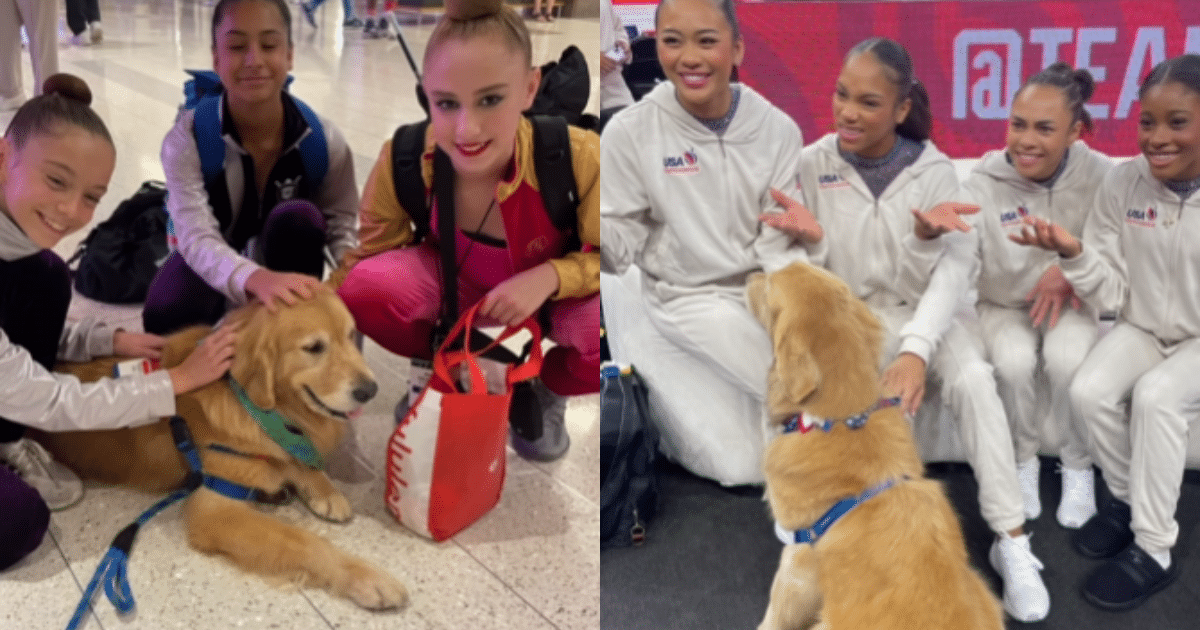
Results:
[895, 561]
[301, 361]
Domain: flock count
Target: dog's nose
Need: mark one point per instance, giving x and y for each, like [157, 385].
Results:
[365, 391]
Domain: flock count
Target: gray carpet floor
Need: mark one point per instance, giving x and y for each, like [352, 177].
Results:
[711, 553]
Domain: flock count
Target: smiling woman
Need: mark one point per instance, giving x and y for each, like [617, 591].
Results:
[688, 170]
[509, 255]
[56, 159]
[259, 226]
[1136, 390]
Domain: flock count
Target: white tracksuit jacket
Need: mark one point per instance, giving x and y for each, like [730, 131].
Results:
[870, 242]
[919, 290]
[1008, 272]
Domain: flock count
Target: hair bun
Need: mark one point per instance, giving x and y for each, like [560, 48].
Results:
[68, 86]
[472, 9]
[1085, 81]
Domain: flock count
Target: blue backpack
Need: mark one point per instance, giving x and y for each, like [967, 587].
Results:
[201, 92]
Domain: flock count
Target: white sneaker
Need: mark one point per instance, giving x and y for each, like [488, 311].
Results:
[11, 103]
[1078, 502]
[59, 487]
[1027, 476]
[81, 39]
[1025, 595]
[97, 32]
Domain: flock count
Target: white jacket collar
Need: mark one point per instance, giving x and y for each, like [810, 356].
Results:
[745, 127]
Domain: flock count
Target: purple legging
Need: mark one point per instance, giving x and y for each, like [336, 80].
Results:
[24, 518]
[292, 239]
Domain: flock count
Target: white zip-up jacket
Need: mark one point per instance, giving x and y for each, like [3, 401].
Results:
[1008, 271]
[871, 245]
[1141, 254]
[35, 397]
[200, 241]
[683, 203]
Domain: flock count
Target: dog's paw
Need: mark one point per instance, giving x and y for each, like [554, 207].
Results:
[374, 589]
[333, 507]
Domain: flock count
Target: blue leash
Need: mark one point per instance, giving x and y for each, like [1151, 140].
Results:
[112, 568]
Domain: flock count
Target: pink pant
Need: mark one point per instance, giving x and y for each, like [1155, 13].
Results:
[395, 297]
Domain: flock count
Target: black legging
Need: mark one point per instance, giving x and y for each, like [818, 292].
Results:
[292, 239]
[35, 292]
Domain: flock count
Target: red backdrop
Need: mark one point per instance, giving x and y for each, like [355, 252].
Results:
[972, 56]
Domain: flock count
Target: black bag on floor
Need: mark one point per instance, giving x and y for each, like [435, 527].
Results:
[628, 451]
[121, 255]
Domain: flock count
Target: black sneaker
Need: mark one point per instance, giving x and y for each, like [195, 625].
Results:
[1127, 580]
[1106, 533]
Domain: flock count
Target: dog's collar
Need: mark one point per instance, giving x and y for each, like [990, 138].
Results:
[804, 423]
[286, 434]
[839, 509]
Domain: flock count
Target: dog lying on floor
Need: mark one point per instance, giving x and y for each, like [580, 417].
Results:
[301, 361]
[896, 559]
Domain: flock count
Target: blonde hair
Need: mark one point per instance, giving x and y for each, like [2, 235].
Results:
[469, 19]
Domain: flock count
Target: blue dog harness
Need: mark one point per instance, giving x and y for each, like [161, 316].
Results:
[112, 568]
[839, 509]
[804, 424]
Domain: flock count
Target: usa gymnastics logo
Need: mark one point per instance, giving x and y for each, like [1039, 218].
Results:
[1010, 218]
[831, 180]
[1143, 218]
[687, 164]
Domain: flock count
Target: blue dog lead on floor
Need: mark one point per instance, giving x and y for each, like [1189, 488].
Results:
[112, 571]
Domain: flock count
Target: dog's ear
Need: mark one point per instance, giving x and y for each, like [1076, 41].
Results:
[796, 372]
[756, 298]
[254, 361]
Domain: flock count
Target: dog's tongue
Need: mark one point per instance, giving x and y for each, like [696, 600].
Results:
[354, 414]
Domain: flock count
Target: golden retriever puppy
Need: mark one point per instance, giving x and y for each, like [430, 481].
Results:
[895, 561]
[301, 361]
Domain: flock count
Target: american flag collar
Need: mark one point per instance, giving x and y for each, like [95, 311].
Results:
[804, 424]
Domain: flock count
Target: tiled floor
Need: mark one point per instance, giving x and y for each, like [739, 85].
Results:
[530, 564]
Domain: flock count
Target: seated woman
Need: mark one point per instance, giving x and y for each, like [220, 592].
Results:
[883, 195]
[687, 172]
[1137, 390]
[1046, 171]
[259, 228]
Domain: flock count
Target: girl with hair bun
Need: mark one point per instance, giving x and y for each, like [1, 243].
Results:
[884, 198]
[1137, 390]
[1028, 312]
[56, 159]
[479, 78]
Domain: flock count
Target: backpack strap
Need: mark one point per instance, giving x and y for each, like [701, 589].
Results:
[443, 190]
[408, 144]
[556, 174]
[210, 142]
[314, 151]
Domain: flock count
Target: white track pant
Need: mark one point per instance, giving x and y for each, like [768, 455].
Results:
[1013, 346]
[40, 18]
[968, 389]
[1138, 397]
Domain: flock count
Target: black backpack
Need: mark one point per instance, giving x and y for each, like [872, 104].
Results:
[628, 453]
[565, 88]
[121, 255]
